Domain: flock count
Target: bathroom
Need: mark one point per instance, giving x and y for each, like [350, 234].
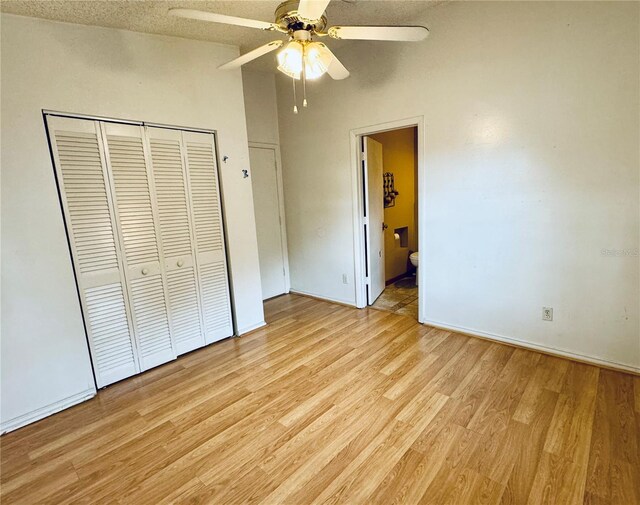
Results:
[400, 175]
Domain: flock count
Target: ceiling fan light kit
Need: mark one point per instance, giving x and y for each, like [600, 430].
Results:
[302, 58]
[315, 55]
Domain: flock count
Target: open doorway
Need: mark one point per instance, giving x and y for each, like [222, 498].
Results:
[388, 230]
[393, 166]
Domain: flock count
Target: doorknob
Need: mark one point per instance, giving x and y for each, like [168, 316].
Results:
[145, 271]
[180, 263]
[384, 226]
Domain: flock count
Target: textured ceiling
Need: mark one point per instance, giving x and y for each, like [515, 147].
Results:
[150, 16]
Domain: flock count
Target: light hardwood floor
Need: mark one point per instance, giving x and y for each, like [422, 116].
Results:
[330, 404]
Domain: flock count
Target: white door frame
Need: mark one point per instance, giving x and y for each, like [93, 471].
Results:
[283, 224]
[358, 205]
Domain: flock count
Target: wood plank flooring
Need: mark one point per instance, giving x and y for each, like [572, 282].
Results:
[330, 404]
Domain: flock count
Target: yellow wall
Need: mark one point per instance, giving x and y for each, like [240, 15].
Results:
[399, 157]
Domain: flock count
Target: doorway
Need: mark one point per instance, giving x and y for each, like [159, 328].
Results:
[387, 171]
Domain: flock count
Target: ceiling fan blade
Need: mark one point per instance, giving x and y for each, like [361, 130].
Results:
[397, 33]
[221, 18]
[251, 55]
[312, 9]
[336, 69]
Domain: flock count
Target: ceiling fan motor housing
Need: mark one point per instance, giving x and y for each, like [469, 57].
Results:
[287, 17]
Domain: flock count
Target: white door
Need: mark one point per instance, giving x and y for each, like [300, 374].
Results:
[267, 207]
[89, 216]
[374, 213]
[208, 233]
[135, 214]
[171, 189]
[144, 221]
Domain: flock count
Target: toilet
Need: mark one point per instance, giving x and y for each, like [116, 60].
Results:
[413, 257]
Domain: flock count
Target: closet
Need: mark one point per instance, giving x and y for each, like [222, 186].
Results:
[143, 216]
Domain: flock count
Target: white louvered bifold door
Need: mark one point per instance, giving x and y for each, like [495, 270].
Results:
[129, 168]
[171, 188]
[88, 209]
[202, 177]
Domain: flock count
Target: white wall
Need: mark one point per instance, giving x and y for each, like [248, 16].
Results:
[532, 169]
[105, 72]
[261, 107]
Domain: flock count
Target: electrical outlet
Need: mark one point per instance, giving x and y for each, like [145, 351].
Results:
[547, 313]
[344, 279]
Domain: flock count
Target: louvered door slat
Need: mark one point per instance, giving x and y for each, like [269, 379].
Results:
[185, 307]
[215, 298]
[209, 235]
[204, 195]
[129, 172]
[151, 319]
[84, 191]
[134, 200]
[171, 191]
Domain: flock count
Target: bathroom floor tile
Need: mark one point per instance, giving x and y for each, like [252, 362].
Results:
[400, 298]
[409, 310]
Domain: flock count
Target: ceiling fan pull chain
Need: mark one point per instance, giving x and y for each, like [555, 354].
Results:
[304, 77]
[295, 106]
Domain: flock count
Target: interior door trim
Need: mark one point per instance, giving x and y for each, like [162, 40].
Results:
[359, 249]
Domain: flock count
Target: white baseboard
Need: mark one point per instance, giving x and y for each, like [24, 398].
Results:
[536, 347]
[351, 303]
[41, 413]
[247, 329]
[623, 367]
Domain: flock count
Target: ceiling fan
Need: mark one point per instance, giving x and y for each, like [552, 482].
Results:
[303, 58]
